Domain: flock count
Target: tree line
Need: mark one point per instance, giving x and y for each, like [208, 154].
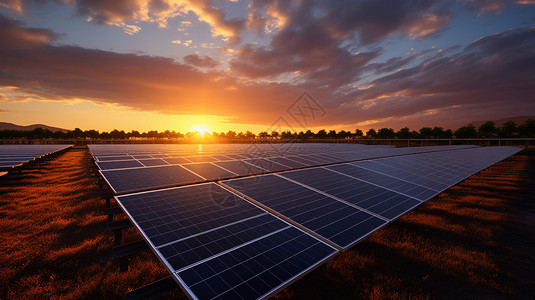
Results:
[487, 130]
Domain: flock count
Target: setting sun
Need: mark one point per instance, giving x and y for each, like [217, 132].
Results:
[201, 129]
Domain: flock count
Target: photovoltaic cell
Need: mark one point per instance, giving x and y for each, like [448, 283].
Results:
[370, 197]
[336, 221]
[219, 245]
[394, 184]
[240, 167]
[177, 160]
[259, 269]
[201, 158]
[138, 179]
[288, 162]
[267, 165]
[209, 171]
[118, 164]
[153, 162]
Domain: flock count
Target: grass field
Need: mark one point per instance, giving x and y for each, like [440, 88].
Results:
[473, 241]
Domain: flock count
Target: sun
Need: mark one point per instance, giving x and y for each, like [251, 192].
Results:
[201, 129]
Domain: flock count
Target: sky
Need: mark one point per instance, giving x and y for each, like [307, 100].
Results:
[265, 65]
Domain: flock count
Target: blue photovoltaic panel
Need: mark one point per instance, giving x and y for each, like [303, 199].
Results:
[115, 157]
[220, 246]
[153, 162]
[240, 167]
[267, 165]
[257, 270]
[288, 162]
[177, 160]
[334, 220]
[118, 164]
[394, 184]
[386, 166]
[370, 197]
[209, 171]
[138, 179]
[201, 158]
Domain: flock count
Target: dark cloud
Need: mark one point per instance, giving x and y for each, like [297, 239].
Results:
[317, 40]
[492, 75]
[196, 60]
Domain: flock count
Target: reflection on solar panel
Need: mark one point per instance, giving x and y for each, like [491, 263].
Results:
[341, 224]
[216, 244]
[364, 195]
[139, 179]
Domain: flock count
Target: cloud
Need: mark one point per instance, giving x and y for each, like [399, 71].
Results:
[196, 60]
[494, 6]
[128, 14]
[63, 73]
[317, 41]
[492, 75]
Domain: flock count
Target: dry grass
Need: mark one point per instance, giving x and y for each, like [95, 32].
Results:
[53, 243]
[473, 241]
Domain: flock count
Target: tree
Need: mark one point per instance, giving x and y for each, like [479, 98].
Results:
[371, 133]
[263, 135]
[426, 132]
[92, 134]
[466, 132]
[358, 133]
[321, 134]
[274, 134]
[487, 130]
[527, 129]
[508, 129]
[386, 133]
[309, 134]
[437, 132]
[231, 134]
[332, 134]
[404, 133]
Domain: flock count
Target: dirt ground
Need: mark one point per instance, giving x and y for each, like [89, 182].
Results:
[474, 240]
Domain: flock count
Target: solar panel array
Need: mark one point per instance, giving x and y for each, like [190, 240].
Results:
[243, 221]
[16, 155]
[137, 169]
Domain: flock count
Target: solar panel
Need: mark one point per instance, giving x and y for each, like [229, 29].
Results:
[139, 179]
[209, 171]
[385, 181]
[177, 160]
[153, 162]
[240, 167]
[267, 165]
[335, 221]
[118, 164]
[200, 158]
[288, 162]
[15, 155]
[115, 157]
[217, 245]
[370, 197]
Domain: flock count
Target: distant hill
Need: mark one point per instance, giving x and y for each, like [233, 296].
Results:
[499, 123]
[11, 126]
